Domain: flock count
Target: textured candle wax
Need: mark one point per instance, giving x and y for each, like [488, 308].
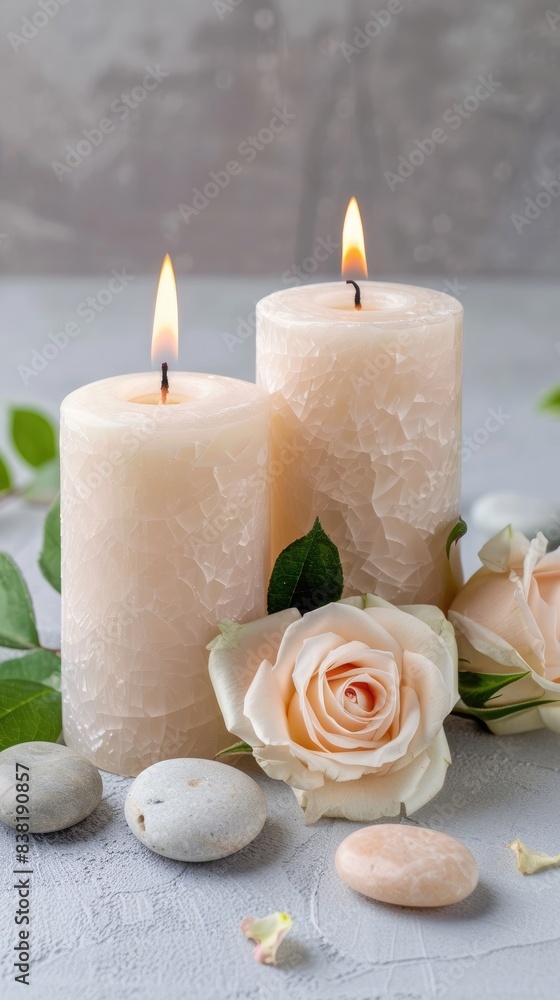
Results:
[366, 428]
[165, 532]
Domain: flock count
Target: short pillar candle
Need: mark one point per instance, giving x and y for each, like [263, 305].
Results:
[165, 532]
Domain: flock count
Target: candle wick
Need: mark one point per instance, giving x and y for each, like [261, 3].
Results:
[164, 382]
[358, 295]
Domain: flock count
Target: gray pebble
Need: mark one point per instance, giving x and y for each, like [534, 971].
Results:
[194, 810]
[64, 788]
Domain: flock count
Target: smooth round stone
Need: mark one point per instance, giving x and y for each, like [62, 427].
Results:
[64, 788]
[407, 865]
[194, 810]
[493, 511]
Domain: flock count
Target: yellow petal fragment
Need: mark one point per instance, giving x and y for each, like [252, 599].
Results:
[530, 861]
[267, 933]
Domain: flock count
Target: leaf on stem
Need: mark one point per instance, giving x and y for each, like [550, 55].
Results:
[42, 666]
[5, 476]
[307, 574]
[477, 689]
[550, 402]
[49, 559]
[491, 714]
[17, 619]
[28, 711]
[234, 750]
[455, 534]
[33, 435]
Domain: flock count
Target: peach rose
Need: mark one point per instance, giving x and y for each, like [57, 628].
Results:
[346, 704]
[507, 620]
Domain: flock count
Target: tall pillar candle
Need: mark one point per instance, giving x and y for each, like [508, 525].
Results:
[165, 532]
[366, 427]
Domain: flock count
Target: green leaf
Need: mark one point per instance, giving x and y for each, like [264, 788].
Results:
[307, 574]
[550, 402]
[489, 714]
[477, 689]
[43, 666]
[455, 534]
[234, 750]
[34, 436]
[5, 476]
[49, 560]
[17, 620]
[28, 711]
[46, 484]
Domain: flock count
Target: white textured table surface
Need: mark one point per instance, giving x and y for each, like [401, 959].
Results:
[112, 920]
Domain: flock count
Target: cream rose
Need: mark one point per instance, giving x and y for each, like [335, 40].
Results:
[507, 620]
[346, 704]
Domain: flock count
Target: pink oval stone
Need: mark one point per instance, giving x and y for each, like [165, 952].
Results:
[407, 865]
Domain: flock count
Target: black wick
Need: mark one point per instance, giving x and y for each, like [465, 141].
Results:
[164, 382]
[358, 295]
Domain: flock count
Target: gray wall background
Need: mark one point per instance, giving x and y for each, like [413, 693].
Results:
[227, 66]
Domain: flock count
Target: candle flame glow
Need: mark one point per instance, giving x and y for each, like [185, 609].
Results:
[165, 336]
[354, 262]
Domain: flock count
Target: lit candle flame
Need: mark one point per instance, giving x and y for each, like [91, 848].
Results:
[354, 263]
[165, 337]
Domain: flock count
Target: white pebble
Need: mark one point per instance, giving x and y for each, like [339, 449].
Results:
[63, 789]
[194, 810]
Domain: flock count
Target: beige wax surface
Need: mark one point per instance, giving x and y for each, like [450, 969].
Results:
[165, 532]
[366, 429]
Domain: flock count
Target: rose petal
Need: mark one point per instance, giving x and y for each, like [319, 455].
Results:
[530, 861]
[314, 727]
[351, 663]
[504, 551]
[537, 549]
[435, 702]
[267, 933]
[234, 658]
[345, 620]
[375, 796]
[522, 630]
[544, 602]
[494, 648]
[437, 621]
[415, 634]
[265, 708]
[550, 716]
[519, 722]
[280, 763]
[349, 765]
[488, 643]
